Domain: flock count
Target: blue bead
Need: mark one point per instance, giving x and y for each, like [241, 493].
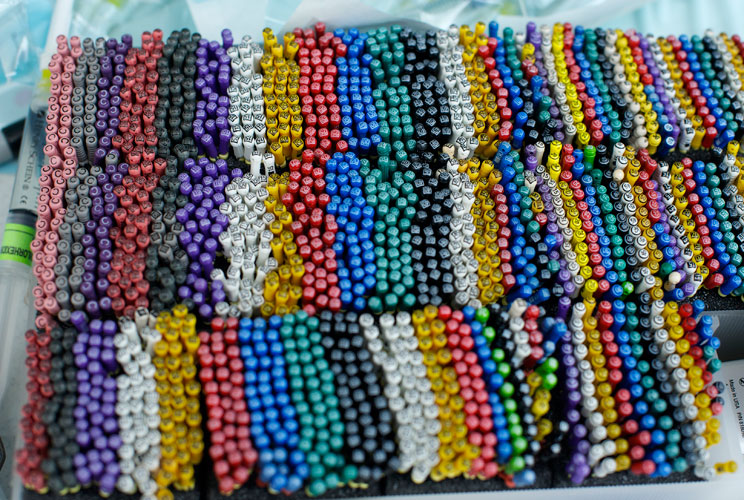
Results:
[658, 437]
[504, 449]
[525, 477]
[647, 422]
[360, 303]
[636, 390]
[303, 470]
[495, 381]
[267, 470]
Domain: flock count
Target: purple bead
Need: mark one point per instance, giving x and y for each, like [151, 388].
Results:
[109, 397]
[105, 304]
[109, 327]
[96, 469]
[207, 262]
[108, 359]
[195, 268]
[95, 367]
[108, 410]
[83, 439]
[205, 311]
[79, 319]
[192, 250]
[115, 442]
[81, 361]
[93, 353]
[110, 425]
[79, 460]
[211, 245]
[218, 296]
[100, 443]
[102, 284]
[201, 285]
[211, 170]
[96, 419]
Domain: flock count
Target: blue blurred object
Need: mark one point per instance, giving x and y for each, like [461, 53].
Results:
[23, 29]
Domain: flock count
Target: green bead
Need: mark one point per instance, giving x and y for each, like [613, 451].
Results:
[665, 421]
[482, 315]
[510, 406]
[627, 288]
[550, 365]
[309, 371]
[507, 389]
[302, 407]
[714, 365]
[513, 419]
[326, 375]
[515, 430]
[303, 344]
[307, 432]
[554, 266]
[322, 365]
[679, 464]
[311, 384]
[327, 388]
[322, 448]
[305, 445]
[550, 381]
[391, 302]
[651, 395]
[301, 317]
[395, 277]
[332, 480]
[313, 458]
[666, 268]
[349, 473]
[333, 414]
[285, 331]
[637, 351]
[294, 370]
[379, 240]
[391, 219]
[408, 281]
[408, 301]
[330, 460]
[317, 487]
[515, 464]
[504, 369]
[336, 443]
[533, 227]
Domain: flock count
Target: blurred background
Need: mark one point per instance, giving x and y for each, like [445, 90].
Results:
[28, 26]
